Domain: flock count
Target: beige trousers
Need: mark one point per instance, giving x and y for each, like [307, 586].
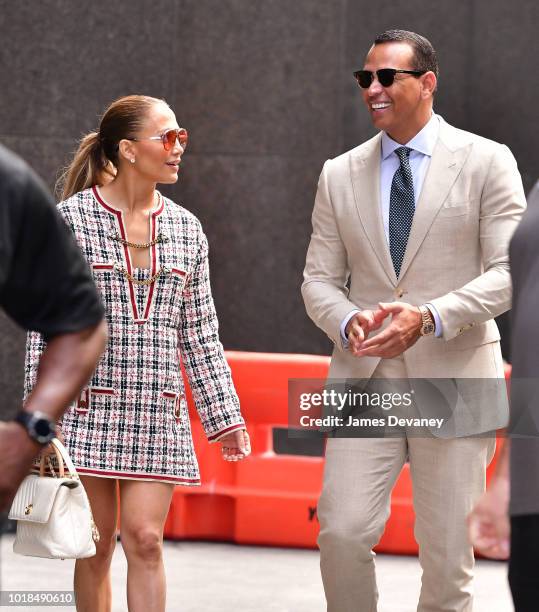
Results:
[448, 475]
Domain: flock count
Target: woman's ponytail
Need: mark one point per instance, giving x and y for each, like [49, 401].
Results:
[89, 167]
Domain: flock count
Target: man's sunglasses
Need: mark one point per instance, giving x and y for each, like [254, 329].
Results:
[386, 76]
[169, 138]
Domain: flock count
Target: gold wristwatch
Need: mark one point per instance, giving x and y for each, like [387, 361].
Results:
[427, 321]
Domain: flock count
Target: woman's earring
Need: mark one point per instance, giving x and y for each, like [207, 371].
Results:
[132, 161]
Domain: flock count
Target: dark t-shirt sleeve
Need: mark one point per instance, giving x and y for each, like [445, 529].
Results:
[47, 286]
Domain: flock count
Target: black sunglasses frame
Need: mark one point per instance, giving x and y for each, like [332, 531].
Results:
[386, 76]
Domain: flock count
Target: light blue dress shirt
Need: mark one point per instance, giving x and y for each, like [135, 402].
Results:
[422, 145]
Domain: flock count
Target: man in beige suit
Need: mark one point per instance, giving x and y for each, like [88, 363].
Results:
[406, 269]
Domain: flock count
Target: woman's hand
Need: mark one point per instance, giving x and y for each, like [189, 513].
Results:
[235, 445]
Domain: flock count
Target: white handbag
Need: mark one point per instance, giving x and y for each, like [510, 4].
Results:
[54, 518]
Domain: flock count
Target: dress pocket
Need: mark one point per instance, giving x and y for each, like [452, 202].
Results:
[176, 403]
[102, 272]
[177, 280]
[84, 402]
[177, 272]
[169, 297]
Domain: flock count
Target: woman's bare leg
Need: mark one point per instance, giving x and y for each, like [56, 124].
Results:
[92, 576]
[143, 511]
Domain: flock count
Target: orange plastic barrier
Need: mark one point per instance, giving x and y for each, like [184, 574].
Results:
[270, 498]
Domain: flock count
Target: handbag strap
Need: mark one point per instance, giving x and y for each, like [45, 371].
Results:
[45, 457]
[61, 449]
[64, 455]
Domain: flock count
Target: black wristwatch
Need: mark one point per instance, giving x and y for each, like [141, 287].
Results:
[38, 425]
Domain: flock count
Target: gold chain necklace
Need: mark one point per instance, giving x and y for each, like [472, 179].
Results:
[146, 282]
[142, 245]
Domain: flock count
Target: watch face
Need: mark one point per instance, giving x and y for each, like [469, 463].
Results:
[428, 329]
[42, 427]
[38, 426]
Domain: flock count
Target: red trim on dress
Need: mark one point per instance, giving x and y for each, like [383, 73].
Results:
[83, 401]
[178, 397]
[102, 266]
[226, 430]
[127, 257]
[102, 202]
[103, 390]
[137, 476]
[153, 257]
[178, 272]
[115, 211]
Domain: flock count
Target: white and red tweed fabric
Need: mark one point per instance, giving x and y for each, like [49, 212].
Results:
[131, 421]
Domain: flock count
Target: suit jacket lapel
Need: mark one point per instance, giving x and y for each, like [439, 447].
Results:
[365, 178]
[447, 160]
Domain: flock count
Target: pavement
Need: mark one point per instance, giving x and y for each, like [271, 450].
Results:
[217, 577]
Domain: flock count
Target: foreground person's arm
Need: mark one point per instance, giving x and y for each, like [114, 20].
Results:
[66, 365]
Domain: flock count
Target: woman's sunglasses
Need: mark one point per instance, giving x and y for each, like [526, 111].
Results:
[169, 138]
[386, 76]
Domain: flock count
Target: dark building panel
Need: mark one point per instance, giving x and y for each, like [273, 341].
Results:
[47, 155]
[256, 213]
[503, 84]
[63, 62]
[259, 78]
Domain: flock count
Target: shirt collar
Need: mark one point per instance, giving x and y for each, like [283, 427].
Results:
[423, 142]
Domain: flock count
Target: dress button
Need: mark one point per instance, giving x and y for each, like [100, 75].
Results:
[399, 292]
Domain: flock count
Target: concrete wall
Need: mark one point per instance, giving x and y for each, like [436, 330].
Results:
[266, 91]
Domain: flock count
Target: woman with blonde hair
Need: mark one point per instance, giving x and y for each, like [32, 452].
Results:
[129, 429]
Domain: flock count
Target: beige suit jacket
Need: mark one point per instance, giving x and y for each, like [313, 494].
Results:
[456, 259]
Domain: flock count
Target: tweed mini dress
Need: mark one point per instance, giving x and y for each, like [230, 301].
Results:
[131, 421]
